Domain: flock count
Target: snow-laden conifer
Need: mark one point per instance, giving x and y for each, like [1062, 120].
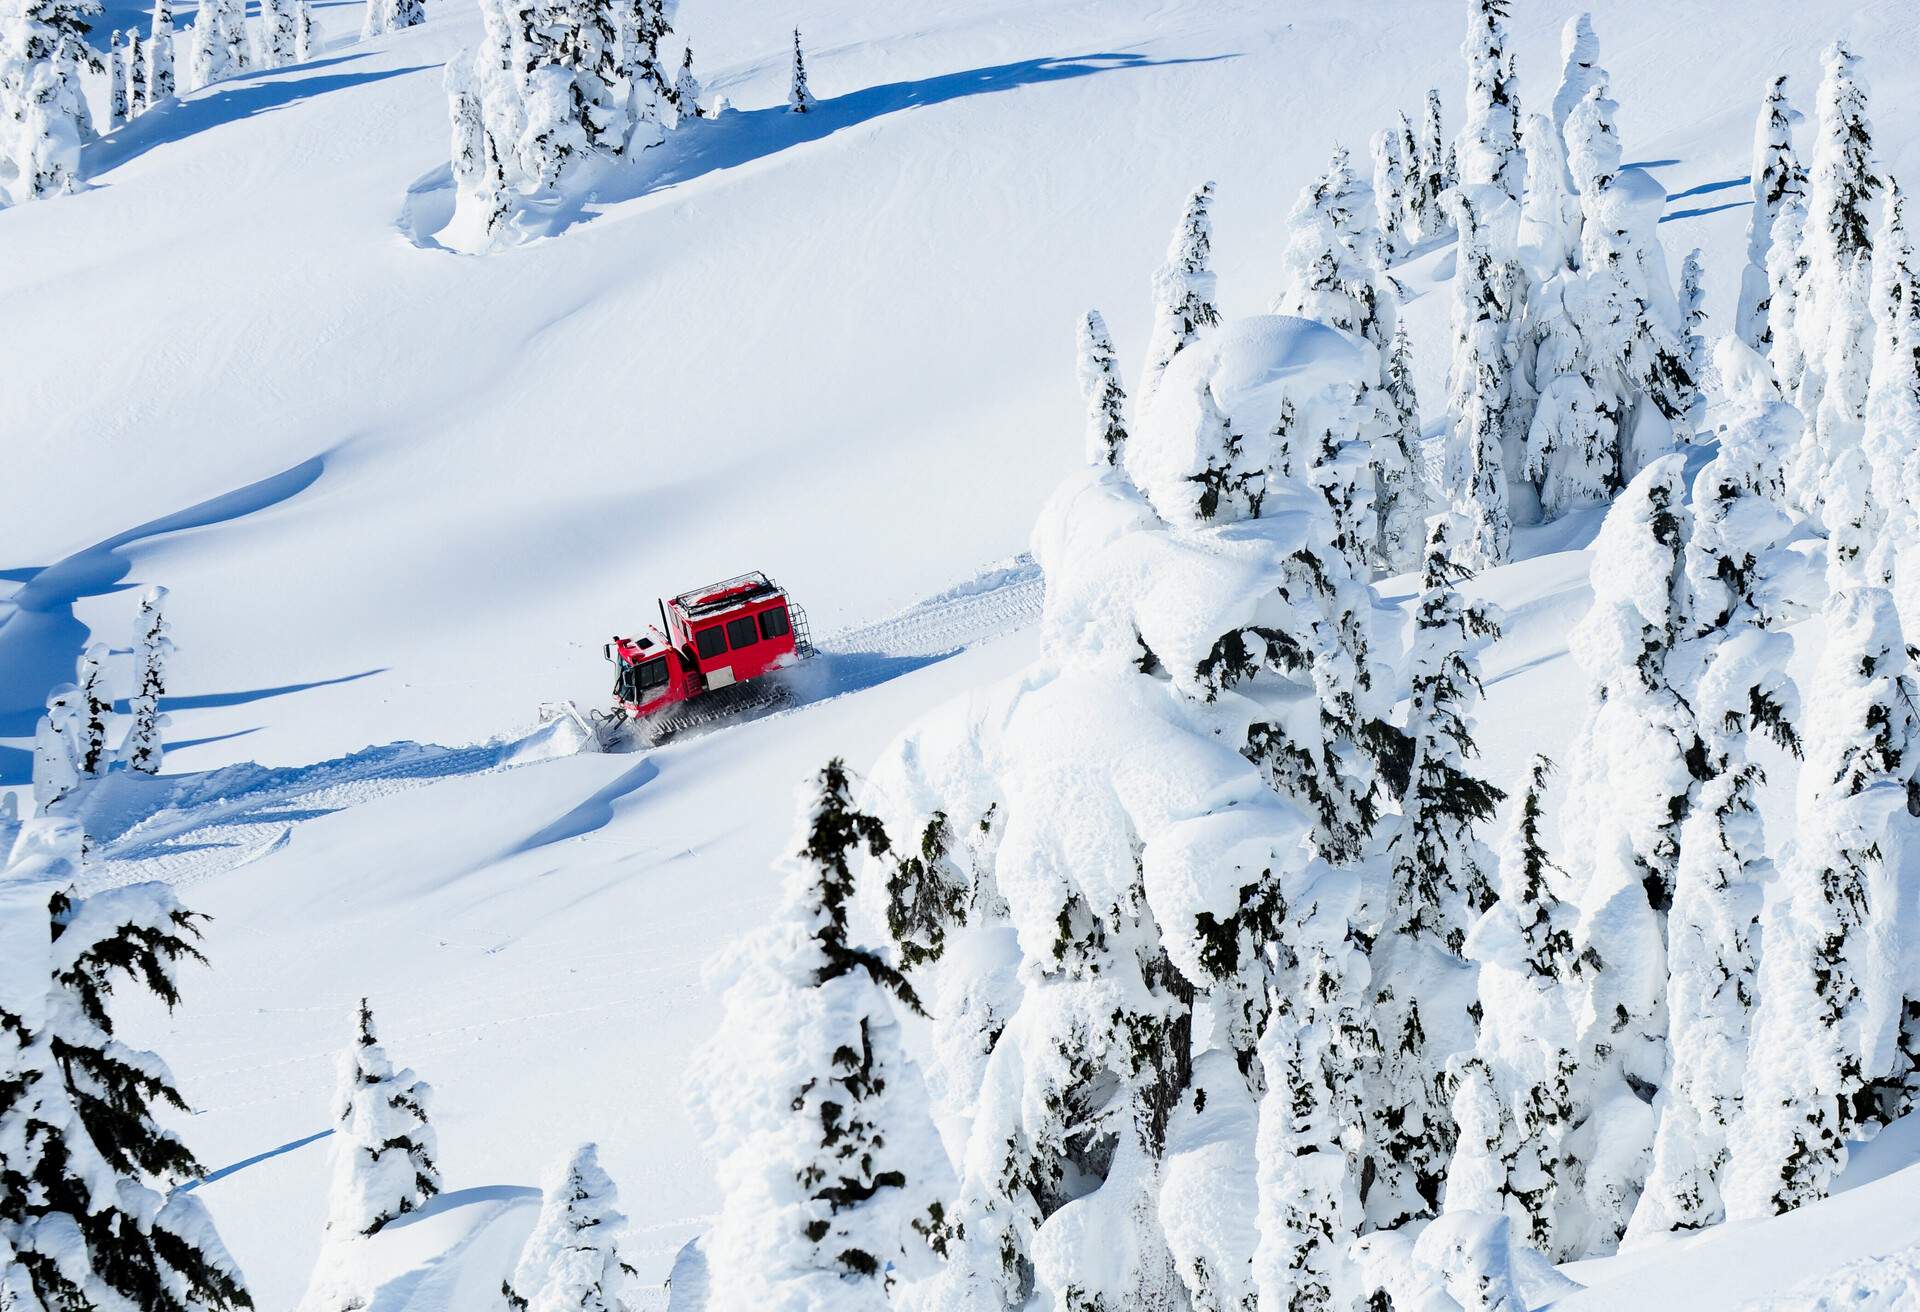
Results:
[1332, 274]
[160, 71]
[1401, 500]
[1891, 441]
[1593, 143]
[302, 31]
[1428, 177]
[686, 90]
[1550, 214]
[376, 18]
[575, 1258]
[831, 1173]
[1631, 789]
[1390, 164]
[137, 98]
[58, 746]
[799, 95]
[1827, 1026]
[279, 32]
[219, 46]
[1741, 686]
[409, 13]
[1183, 293]
[95, 705]
[93, 1215]
[1833, 318]
[1516, 1099]
[152, 648]
[1580, 70]
[384, 1146]
[1788, 262]
[1775, 176]
[1489, 141]
[44, 46]
[1109, 1158]
[1693, 342]
[1100, 385]
[1464, 1262]
[1442, 877]
[117, 105]
[1484, 378]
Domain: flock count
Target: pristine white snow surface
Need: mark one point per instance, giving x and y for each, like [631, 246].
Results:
[402, 495]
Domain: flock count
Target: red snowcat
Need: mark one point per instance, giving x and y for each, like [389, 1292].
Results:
[709, 658]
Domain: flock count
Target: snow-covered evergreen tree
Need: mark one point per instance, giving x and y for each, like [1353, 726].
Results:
[1100, 385]
[1693, 343]
[1632, 787]
[575, 1259]
[152, 647]
[1400, 499]
[1132, 1138]
[44, 45]
[1788, 261]
[1183, 293]
[1827, 1026]
[1580, 70]
[686, 89]
[831, 1172]
[409, 13]
[1593, 144]
[95, 704]
[1550, 215]
[1390, 165]
[58, 747]
[1775, 176]
[799, 95]
[1489, 151]
[1484, 380]
[1891, 441]
[160, 72]
[1442, 876]
[1516, 1098]
[376, 18]
[1332, 274]
[136, 73]
[1832, 318]
[384, 1147]
[302, 31]
[1713, 947]
[117, 107]
[1428, 177]
[219, 42]
[92, 1215]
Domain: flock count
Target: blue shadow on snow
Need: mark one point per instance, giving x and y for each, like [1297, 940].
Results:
[742, 136]
[227, 102]
[254, 1160]
[40, 637]
[592, 814]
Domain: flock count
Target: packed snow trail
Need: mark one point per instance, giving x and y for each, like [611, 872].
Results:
[183, 828]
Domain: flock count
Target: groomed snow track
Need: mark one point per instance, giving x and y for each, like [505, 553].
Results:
[180, 829]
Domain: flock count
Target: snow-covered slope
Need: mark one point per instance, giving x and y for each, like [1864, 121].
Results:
[401, 494]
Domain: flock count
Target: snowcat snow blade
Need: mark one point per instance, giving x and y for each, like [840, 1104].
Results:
[589, 730]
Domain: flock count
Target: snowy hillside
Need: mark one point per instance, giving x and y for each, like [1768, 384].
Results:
[400, 496]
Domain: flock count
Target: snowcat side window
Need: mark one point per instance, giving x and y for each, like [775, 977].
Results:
[653, 674]
[711, 642]
[773, 623]
[742, 633]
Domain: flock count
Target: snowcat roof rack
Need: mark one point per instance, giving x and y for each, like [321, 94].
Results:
[729, 592]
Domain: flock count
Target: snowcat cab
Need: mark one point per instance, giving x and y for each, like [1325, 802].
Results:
[710, 642]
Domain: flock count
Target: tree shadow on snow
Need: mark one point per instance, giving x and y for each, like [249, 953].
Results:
[228, 102]
[741, 137]
[40, 637]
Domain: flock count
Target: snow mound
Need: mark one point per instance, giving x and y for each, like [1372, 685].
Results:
[1254, 371]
